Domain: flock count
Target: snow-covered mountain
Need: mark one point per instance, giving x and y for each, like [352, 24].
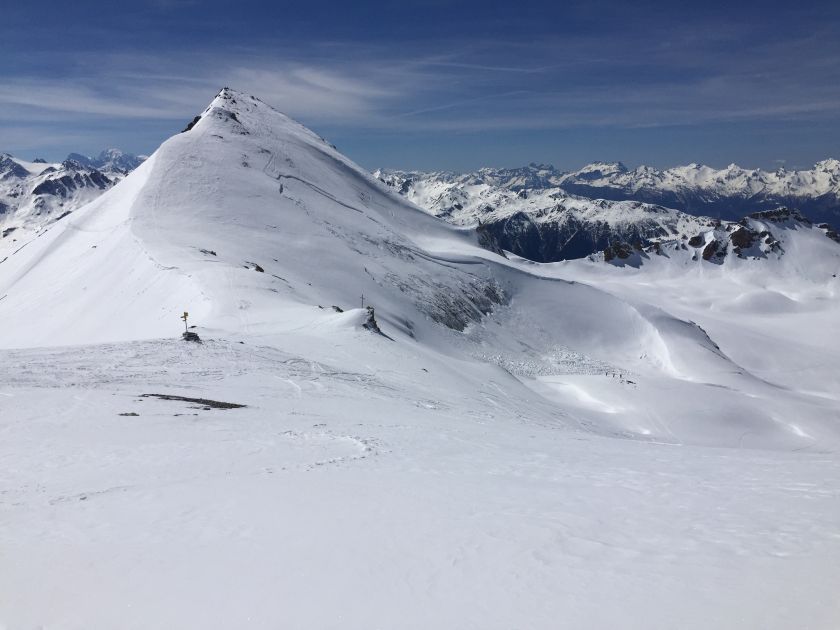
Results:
[522, 212]
[388, 425]
[256, 222]
[35, 194]
[110, 161]
[729, 193]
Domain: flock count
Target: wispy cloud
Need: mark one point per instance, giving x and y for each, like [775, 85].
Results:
[688, 76]
[573, 81]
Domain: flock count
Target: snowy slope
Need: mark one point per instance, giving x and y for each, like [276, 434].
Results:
[778, 320]
[523, 443]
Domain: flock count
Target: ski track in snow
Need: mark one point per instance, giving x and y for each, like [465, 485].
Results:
[574, 524]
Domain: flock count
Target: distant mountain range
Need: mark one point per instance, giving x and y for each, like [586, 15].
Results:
[109, 161]
[546, 215]
[535, 211]
[35, 194]
[727, 193]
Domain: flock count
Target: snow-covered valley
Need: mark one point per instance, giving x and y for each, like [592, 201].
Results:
[497, 443]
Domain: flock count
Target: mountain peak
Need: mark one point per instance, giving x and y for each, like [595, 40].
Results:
[231, 99]
[232, 111]
[227, 106]
[109, 160]
[604, 167]
[830, 164]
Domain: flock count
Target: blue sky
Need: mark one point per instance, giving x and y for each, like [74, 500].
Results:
[437, 85]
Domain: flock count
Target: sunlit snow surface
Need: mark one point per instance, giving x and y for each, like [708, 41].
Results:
[569, 452]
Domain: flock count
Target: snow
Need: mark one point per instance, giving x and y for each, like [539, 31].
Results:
[110, 161]
[469, 202]
[530, 443]
[35, 168]
[361, 499]
[730, 192]
[34, 195]
[733, 181]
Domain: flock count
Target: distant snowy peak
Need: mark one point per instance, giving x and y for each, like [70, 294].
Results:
[544, 224]
[728, 193]
[601, 170]
[11, 169]
[547, 224]
[109, 161]
[33, 195]
[732, 180]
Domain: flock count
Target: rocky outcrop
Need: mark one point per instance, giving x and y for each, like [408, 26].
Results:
[10, 170]
[619, 250]
[830, 232]
[713, 248]
[743, 238]
[71, 178]
[781, 214]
